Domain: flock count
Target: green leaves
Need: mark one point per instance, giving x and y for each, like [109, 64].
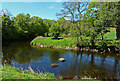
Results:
[55, 30]
[22, 27]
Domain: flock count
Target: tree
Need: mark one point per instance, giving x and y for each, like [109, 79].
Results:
[48, 24]
[55, 30]
[20, 25]
[74, 11]
[111, 17]
[117, 18]
[104, 22]
[62, 24]
[38, 27]
[7, 27]
[100, 24]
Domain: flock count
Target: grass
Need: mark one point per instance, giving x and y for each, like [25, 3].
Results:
[111, 35]
[14, 73]
[0, 72]
[109, 38]
[55, 42]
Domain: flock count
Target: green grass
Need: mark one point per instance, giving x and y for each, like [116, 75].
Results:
[1, 72]
[111, 35]
[71, 41]
[55, 42]
[9, 72]
[13, 74]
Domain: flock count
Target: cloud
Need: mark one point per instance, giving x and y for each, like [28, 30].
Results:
[58, 0]
[50, 7]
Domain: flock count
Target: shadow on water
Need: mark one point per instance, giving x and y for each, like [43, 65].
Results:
[79, 64]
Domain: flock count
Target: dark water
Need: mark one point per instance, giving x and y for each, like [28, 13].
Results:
[21, 54]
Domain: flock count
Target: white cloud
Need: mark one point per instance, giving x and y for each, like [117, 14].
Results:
[58, 0]
[51, 7]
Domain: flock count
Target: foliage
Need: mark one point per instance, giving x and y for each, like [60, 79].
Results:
[1, 72]
[55, 30]
[22, 27]
[48, 24]
[71, 41]
[7, 27]
[110, 18]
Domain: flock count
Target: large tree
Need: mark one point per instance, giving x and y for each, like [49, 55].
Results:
[48, 23]
[74, 12]
[108, 15]
[37, 26]
[7, 27]
[55, 30]
[101, 23]
[117, 17]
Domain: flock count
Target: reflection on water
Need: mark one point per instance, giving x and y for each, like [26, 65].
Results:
[21, 54]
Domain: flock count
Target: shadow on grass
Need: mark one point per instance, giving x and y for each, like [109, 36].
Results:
[57, 38]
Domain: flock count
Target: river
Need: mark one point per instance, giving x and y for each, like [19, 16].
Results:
[22, 55]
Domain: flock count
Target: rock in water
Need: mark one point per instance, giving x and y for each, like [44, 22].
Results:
[61, 59]
[54, 65]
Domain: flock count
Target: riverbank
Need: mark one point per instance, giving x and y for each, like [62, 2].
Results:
[9, 72]
[69, 43]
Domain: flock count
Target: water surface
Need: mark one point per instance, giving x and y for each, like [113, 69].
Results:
[22, 55]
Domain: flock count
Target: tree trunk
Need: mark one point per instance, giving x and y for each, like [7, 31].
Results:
[102, 37]
[118, 32]
[93, 44]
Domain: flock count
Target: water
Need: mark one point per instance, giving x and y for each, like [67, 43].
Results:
[22, 55]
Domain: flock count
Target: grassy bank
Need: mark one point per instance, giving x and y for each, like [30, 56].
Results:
[49, 41]
[66, 42]
[70, 42]
[9, 72]
[13, 74]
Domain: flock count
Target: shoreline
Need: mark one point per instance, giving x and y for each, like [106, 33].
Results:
[9, 72]
[75, 48]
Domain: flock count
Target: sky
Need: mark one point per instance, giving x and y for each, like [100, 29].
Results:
[45, 10]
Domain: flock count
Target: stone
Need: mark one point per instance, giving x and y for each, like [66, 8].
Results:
[60, 47]
[76, 48]
[61, 59]
[109, 50]
[42, 46]
[67, 47]
[54, 65]
[87, 49]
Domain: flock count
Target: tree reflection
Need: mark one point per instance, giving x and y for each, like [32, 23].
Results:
[115, 67]
[103, 59]
[54, 56]
[21, 54]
